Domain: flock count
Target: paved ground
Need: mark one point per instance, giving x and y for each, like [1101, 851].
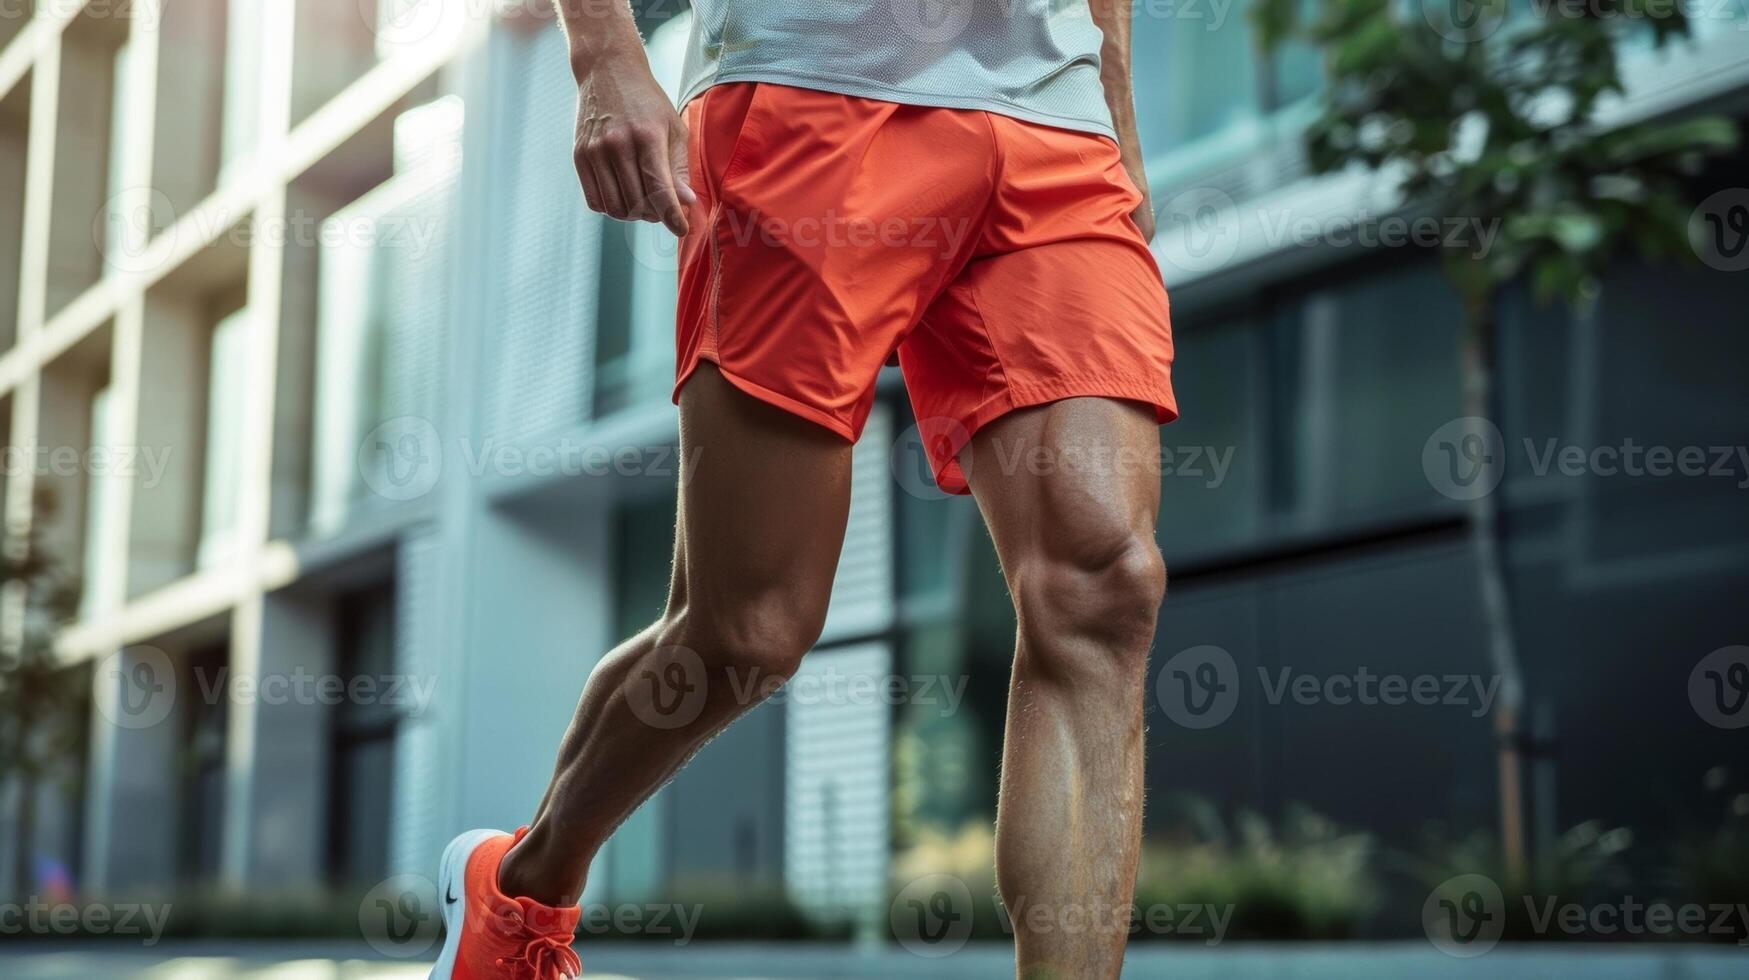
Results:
[42, 960]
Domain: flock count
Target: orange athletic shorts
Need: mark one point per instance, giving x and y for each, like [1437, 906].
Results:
[998, 258]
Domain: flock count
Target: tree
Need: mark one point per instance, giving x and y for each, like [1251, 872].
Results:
[1497, 116]
[41, 699]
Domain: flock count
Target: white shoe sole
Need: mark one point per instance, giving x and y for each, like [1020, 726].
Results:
[452, 873]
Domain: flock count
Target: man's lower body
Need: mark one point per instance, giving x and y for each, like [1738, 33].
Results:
[997, 259]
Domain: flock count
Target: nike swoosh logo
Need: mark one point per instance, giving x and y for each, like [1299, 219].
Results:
[449, 895]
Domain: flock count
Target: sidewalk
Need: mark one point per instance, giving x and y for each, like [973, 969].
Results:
[38, 960]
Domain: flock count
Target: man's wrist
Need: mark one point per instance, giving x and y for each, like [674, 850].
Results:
[613, 57]
[599, 34]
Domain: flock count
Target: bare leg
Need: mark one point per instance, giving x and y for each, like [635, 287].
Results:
[1076, 540]
[761, 523]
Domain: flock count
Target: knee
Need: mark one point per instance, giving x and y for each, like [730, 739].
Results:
[760, 636]
[1091, 605]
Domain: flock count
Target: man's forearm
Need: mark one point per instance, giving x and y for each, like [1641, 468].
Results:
[1114, 18]
[599, 30]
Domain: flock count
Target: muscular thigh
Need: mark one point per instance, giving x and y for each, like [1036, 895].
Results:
[1074, 482]
[764, 497]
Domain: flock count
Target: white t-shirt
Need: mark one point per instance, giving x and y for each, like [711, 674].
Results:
[1036, 60]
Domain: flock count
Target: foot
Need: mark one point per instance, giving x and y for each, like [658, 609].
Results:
[492, 936]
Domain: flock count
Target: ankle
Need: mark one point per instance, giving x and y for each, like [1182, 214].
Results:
[530, 871]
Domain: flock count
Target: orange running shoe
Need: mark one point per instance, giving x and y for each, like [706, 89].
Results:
[492, 936]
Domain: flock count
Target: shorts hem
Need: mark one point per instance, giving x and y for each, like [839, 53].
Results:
[1154, 394]
[775, 399]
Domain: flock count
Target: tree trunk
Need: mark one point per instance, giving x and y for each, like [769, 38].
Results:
[1481, 402]
[24, 857]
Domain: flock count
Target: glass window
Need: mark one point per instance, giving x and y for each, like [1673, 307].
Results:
[1213, 477]
[1195, 69]
[613, 320]
[203, 772]
[1296, 69]
[362, 777]
[1369, 370]
[226, 382]
[100, 590]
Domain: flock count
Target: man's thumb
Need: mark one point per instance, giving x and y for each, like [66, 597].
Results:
[680, 163]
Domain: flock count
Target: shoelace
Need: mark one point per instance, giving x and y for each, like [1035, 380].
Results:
[547, 957]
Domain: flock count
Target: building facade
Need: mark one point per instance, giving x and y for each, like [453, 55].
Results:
[358, 430]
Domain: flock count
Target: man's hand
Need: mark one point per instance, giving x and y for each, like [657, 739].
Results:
[630, 149]
[1132, 160]
[631, 146]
